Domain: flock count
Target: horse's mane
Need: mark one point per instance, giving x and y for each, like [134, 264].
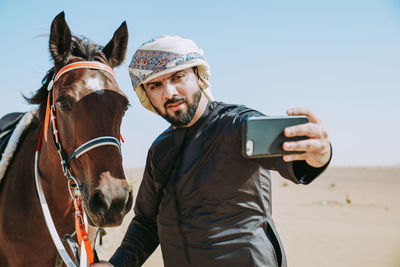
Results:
[81, 48]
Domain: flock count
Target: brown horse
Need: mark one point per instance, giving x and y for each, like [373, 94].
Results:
[88, 104]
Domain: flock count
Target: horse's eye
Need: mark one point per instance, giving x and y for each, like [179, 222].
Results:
[64, 103]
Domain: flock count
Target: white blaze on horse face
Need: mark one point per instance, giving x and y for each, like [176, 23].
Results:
[95, 84]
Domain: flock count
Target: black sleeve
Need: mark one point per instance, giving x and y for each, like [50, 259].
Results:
[296, 171]
[141, 238]
[306, 173]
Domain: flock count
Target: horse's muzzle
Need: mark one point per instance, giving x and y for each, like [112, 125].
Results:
[109, 202]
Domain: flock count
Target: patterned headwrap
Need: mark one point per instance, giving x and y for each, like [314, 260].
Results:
[164, 55]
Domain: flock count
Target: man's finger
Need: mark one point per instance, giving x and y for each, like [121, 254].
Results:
[311, 130]
[309, 145]
[297, 111]
[293, 157]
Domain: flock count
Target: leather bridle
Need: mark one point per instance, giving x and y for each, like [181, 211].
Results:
[51, 118]
[73, 183]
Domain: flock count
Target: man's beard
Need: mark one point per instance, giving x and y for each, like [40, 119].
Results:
[182, 118]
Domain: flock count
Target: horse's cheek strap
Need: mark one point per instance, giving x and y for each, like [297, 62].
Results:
[97, 142]
[47, 117]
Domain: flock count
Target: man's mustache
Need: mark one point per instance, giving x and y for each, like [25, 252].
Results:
[174, 100]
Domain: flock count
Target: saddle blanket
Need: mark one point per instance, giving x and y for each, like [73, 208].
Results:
[13, 135]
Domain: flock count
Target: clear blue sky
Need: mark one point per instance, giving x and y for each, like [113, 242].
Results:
[341, 58]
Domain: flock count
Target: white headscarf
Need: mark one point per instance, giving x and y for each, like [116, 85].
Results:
[164, 55]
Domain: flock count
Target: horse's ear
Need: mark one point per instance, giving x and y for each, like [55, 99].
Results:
[60, 39]
[115, 50]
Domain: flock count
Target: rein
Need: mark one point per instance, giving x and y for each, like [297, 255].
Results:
[73, 184]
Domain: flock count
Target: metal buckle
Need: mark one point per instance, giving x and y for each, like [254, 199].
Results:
[74, 192]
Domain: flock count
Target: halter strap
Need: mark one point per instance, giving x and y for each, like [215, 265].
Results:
[99, 141]
[86, 147]
[73, 66]
[50, 118]
[80, 65]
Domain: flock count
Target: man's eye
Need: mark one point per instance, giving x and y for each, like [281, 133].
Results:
[154, 86]
[179, 76]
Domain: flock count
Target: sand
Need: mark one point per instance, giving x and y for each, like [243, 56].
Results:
[347, 217]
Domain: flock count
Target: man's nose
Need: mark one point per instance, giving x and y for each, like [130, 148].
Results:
[170, 90]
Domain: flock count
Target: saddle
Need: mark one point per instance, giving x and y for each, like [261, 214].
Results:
[7, 127]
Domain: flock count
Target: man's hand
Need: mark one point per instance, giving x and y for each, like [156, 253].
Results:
[317, 149]
[102, 264]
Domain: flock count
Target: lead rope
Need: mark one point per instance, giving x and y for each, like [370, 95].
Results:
[47, 216]
[81, 231]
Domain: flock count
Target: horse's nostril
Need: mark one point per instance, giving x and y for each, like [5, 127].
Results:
[98, 204]
[108, 205]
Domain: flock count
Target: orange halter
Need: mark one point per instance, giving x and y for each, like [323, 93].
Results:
[82, 235]
[67, 68]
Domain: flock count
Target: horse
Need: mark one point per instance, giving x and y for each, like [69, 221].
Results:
[86, 107]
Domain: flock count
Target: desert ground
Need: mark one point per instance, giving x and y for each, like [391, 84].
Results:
[349, 216]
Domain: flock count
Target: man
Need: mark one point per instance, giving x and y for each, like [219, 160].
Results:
[200, 199]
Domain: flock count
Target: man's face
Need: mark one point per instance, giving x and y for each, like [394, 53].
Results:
[175, 96]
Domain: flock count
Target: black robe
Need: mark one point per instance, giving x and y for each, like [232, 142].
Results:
[204, 202]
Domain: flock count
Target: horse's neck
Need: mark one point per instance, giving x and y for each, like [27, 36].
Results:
[23, 223]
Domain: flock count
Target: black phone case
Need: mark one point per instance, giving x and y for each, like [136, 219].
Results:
[263, 136]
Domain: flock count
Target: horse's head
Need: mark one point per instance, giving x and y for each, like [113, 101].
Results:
[89, 104]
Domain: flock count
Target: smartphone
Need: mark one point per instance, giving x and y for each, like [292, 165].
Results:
[263, 136]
